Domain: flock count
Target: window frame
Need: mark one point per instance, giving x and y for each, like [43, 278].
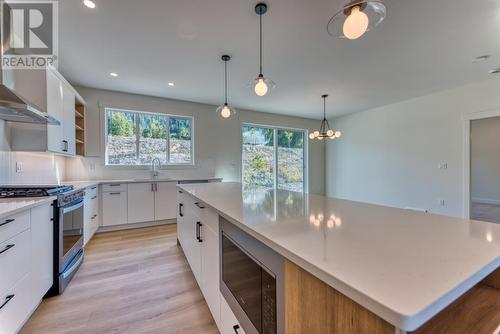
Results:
[137, 136]
[305, 163]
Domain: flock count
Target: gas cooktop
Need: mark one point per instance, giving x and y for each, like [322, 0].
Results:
[33, 190]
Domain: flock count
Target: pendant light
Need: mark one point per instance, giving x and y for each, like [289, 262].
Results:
[356, 18]
[261, 85]
[225, 111]
[324, 130]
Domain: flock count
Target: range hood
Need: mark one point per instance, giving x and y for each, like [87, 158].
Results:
[14, 108]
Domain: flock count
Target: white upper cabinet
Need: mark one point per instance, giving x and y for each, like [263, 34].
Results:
[50, 92]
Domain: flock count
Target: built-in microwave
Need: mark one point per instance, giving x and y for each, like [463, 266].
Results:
[251, 281]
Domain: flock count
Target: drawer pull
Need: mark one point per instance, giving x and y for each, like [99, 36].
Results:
[115, 185]
[198, 231]
[94, 197]
[199, 205]
[94, 187]
[236, 327]
[115, 193]
[7, 248]
[7, 300]
[180, 209]
[8, 221]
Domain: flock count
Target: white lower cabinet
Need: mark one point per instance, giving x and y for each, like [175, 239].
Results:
[90, 213]
[165, 200]
[141, 202]
[228, 322]
[198, 234]
[114, 207]
[42, 250]
[25, 265]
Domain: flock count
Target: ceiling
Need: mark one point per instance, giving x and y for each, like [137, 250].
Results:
[423, 46]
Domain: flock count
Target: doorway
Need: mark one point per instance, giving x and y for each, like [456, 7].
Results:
[484, 164]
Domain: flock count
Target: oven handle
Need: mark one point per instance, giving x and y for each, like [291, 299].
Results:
[73, 207]
[73, 267]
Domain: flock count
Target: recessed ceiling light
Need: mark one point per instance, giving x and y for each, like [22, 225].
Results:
[113, 74]
[494, 71]
[89, 3]
[480, 58]
[171, 84]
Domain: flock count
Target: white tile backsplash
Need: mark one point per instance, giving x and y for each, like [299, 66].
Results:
[79, 168]
[37, 168]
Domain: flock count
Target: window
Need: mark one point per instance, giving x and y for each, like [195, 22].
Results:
[136, 138]
[273, 158]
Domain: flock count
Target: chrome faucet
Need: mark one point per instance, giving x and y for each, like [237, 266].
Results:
[154, 164]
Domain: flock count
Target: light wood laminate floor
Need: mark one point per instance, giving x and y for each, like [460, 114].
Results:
[134, 281]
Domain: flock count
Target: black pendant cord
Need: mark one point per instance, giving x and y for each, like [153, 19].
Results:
[260, 37]
[225, 82]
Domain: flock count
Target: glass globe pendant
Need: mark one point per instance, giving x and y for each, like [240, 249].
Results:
[324, 130]
[225, 111]
[357, 18]
[261, 85]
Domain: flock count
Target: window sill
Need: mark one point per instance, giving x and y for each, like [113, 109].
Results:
[148, 167]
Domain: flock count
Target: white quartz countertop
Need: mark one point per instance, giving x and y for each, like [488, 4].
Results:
[89, 183]
[12, 206]
[404, 266]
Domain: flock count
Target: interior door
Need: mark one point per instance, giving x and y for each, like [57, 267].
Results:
[165, 200]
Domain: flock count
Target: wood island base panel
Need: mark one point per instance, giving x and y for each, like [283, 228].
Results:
[312, 306]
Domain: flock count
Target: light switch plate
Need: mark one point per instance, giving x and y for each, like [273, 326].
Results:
[19, 167]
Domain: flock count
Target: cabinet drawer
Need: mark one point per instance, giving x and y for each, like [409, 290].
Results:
[228, 320]
[13, 225]
[18, 307]
[112, 187]
[14, 260]
[114, 208]
[91, 191]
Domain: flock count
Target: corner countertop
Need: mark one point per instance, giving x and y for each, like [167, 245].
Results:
[89, 183]
[12, 206]
[404, 266]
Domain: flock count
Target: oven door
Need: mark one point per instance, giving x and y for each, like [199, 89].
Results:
[70, 232]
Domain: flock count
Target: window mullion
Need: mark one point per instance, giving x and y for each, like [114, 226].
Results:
[168, 140]
[137, 138]
[275, 132]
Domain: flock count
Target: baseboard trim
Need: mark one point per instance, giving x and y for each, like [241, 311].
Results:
[486, 201]
[137, 225]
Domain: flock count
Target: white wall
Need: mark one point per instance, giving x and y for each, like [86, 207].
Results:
[485, 160]
[217, 142]
[390, 155]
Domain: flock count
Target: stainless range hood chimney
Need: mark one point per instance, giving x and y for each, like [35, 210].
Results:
[13, 107]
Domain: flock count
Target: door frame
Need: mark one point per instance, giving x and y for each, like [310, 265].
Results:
[467, 119]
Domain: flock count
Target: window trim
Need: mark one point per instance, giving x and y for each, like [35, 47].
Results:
[137, 134]
[276, 129]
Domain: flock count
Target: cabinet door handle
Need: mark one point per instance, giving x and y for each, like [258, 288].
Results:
[152, 187]
[199, 224]
[180, 209]
[7, 300]
[94, 187]
[65, 145]
[7, 248]
[94, 197]
[8, 221]
[199, 205]
[156, 187]
[236, 327]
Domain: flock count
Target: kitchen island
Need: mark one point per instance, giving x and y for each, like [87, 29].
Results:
[394, 268]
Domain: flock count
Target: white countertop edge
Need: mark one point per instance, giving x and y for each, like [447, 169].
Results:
[36, 201]
[405, 322]
[79, 184]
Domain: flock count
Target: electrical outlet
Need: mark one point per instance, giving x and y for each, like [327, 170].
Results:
[443, 165]
[92, 167]
[19, 167]
[441, 202]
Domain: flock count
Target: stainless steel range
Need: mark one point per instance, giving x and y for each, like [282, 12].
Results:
[68, 228]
